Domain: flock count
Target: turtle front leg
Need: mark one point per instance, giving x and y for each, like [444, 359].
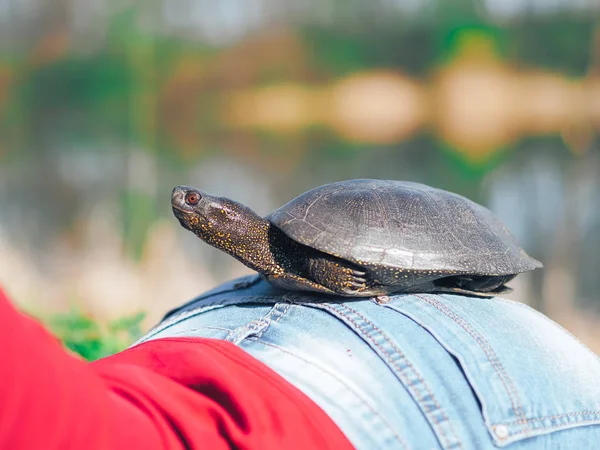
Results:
[337, 275]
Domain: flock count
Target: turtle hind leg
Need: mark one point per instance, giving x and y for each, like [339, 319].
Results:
[337, 275]
[476, 283]
[291, 282]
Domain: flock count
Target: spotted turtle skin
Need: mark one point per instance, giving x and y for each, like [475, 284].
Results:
[363, 238]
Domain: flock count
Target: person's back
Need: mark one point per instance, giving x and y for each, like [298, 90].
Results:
[413, 371]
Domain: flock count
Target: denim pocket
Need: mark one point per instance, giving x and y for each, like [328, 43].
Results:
[530, 376]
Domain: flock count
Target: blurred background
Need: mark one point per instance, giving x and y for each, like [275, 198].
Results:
[105, 106]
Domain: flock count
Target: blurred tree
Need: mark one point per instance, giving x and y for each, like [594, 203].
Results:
[119, 102]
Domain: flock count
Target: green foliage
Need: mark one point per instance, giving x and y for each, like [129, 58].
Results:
[560, 43]
[336, 54]
[92, 339]
[457, 38]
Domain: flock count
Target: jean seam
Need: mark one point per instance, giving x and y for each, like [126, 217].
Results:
[274, 314]
[490, 355]
[257, 327]
[239, 284]
[373, 410]
[418, 396]
[559, 416]
[208, 327]
[551, 427]
[173, 320]
[252, 328]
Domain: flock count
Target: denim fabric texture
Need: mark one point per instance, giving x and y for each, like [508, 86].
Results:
[422, 371]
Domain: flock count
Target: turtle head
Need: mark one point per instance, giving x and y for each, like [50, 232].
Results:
[219, 221]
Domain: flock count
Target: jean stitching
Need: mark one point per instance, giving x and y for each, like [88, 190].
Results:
[559, 416]
[278, 310]
[238, 285]
[410, 366]
[257, 327]
[212, 327]
[366, 403]
[228, 337]
[244, 331]
[533, 432]
[489, 353]
[161, 326]
[285, 310]
[208, 327]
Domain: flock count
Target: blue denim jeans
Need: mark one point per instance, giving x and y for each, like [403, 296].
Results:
[416, 372]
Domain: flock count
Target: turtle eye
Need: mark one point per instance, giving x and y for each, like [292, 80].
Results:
[192, 198]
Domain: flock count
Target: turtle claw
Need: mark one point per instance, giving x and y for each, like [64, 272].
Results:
[352, 289]
[358, 276]
[338, 277]
[355, 282]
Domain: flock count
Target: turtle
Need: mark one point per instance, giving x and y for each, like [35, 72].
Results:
[363, 238]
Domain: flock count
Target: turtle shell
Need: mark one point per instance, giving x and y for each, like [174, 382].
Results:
[399, 224]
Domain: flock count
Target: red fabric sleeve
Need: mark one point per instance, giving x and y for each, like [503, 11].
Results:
[164, 394]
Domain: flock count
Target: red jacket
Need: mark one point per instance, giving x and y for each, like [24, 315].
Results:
[164, 394]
